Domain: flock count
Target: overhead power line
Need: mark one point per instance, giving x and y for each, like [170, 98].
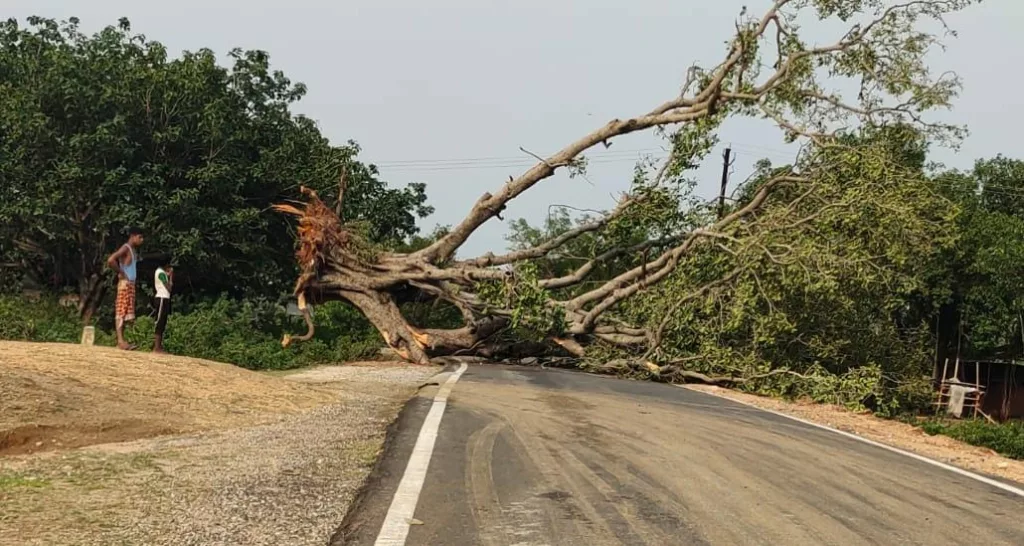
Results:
[525, 163]
[496, 160]
[522, 161]
[611, 157]
[506, 158]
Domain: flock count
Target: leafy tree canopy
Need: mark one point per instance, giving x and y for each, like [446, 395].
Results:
[106, 131]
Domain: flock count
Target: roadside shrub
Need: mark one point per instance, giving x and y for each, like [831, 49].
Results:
[1004, 438]
[44, 321]
[912, 396]
[248, 334]
[245, 333]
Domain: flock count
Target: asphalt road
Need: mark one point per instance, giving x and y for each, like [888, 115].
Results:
[530, 457]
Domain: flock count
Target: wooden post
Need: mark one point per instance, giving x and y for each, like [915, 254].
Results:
[977, 387]
[942, 387]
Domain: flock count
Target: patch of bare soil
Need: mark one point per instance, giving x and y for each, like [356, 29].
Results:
[892, 433]
[286, 476]
[55, 396]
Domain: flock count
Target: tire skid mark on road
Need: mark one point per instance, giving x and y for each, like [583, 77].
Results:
[480, 482]
[551, 494]
[501, 522]
[529, 519]
[568, 490]
[595, 499]
[623, 514]
[664, 516]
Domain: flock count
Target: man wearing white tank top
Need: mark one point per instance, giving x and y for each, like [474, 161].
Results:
[124, 262]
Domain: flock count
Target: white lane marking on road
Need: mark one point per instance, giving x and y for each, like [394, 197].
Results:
[396, 523]
[966, 473]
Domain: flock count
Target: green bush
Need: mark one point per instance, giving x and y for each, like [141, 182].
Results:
[44, 320]
[245, 333]
[913, 396]
[1004, 438]
[248, 334]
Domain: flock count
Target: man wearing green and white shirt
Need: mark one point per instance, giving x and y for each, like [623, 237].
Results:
[163, 282]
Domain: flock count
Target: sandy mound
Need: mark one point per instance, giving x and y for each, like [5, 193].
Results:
[55, 396]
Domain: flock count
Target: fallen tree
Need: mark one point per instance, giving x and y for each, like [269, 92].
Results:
[872, 75]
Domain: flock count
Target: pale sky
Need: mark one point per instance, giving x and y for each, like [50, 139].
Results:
[423, 85]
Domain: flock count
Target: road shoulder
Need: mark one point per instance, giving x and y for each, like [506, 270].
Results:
[288, 480]
[371, 502]
[891, 433]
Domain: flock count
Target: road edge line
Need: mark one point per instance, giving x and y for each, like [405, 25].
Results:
[395, 529]
[945, 466]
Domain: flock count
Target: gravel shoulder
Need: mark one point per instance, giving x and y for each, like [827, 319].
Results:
[892, 433]
[286, 480]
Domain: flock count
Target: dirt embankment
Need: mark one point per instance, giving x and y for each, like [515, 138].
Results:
[106, 447]
[58, 396]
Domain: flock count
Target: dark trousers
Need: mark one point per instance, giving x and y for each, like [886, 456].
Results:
[163, 311]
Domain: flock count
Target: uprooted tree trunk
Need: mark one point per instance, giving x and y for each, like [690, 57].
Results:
[332, 270]
[336, 264]
[374, 283]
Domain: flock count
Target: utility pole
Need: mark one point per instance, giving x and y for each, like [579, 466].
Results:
[726, 156]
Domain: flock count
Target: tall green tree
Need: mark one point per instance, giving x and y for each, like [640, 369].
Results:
[101, 132]
[977, 286]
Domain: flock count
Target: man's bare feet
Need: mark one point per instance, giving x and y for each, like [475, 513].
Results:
[126, 347]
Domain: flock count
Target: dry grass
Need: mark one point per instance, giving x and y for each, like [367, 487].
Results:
[60, 395]
[893, 433]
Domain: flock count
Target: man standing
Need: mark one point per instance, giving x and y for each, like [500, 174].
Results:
[162, 280]
[124, 261]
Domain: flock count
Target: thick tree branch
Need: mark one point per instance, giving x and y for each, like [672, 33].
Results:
[490, 205]
[552, 244]
[582, 272]
[678, 110]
